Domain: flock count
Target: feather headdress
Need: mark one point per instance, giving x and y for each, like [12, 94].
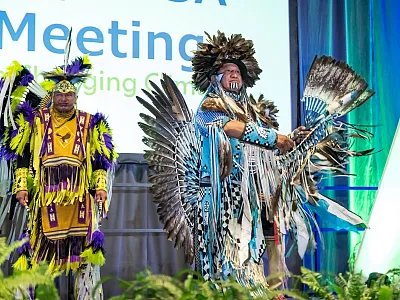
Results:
[209, 57]
[69, 77]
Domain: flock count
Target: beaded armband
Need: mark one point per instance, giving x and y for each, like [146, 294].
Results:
[257, 135]
[100, 180]
[21, 180]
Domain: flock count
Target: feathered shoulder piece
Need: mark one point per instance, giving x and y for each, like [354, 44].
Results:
[15, 139]
[266, 110]
[214, 104]
[17, 85]
[218, 50]
[102, 148]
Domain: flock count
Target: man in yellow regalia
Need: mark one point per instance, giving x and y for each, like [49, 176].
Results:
[62, 161]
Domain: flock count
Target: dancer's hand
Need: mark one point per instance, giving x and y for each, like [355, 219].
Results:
[284, 143]
[101, 196]
[22, 197]
[299, 134]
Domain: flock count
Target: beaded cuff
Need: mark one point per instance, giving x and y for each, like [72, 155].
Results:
[21, 181]
[257, 135]
[100, 180]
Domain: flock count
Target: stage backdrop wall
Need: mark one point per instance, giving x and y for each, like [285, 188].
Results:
[131, 42]
[365, 34]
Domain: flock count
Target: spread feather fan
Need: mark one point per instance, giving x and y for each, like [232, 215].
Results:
[332, 90]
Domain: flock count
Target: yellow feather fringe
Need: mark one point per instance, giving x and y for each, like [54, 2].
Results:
[94, 258]
[52, 265]
[98, 143]
[35, 227]
[15, 67]
[36, 143]
[67, 267]
[86, 60]
[48, 85]
[19, 141]
[21, 264]
[17, 96]
[59, 71]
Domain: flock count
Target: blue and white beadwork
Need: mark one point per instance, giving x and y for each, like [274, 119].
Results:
[254, 134]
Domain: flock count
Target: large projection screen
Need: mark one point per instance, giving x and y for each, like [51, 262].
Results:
[131, 42]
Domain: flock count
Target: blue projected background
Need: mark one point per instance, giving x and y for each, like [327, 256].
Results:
[132, 42]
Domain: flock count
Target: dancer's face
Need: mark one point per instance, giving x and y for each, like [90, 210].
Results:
[231, 79]
[64, 102]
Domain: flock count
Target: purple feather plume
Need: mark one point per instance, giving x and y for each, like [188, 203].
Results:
[101, 162]
[77, 66]
[26, 79]
[97, 241]
[95, 119]
[74, 67]
[27, 111]
[108, 141]
[14, 132]
[7, 154]
[26, 247]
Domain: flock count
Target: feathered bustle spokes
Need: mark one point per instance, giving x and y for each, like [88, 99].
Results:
[173, 165]
[332, 89]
